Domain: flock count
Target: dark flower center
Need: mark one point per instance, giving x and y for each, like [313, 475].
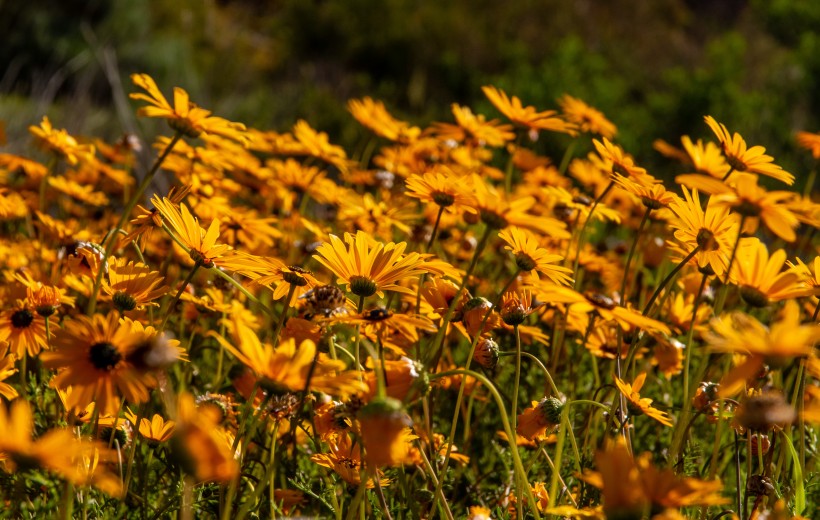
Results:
[293, 276]
[599, 300]
[363, 286]
[443, 199]
[493, 219]
[104, 356]
[706, 240]
[22, 319]
[124, 301]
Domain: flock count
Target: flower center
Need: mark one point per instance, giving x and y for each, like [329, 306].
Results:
[735, 162]
[22, 319]
[104, 356]
[363, 286]
[493, 219]
[525, 262]
[753, 296]
[706, 240]
[293, 276]
[599, 300]
[124, 301]
[748, 208]
[443, 199]
[185, 127]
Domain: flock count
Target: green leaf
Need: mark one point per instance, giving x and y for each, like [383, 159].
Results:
[797, 470]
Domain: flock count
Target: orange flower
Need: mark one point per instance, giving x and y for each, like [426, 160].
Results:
[641, 405]
[752, 160]
[184, 117]
[586, 117]
[527, 116]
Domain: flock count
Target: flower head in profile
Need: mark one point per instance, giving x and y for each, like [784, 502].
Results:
[473, 129]
[621, 162]
[540, 417]
[754, 202]
[133, 285]
[368, 267]
[641, 405]
[290, 366]
[775, 346]
[762, 277]
[634, 486]
[528, 116]
[743, 159]
[156, 429]
[442, 188]
[373, 115]
[184, 117]
[200, 445]
[202, 245]
[61, 143]
[57, 450]
[587, 118]
[809, 141]
[529, 256]
[385, 431]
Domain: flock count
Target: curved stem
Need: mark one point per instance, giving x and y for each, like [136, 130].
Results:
[624, 284]
[170, 308]
[511, 438]
[581, 234]
[668, 279]
[126, 214]
[283, 315]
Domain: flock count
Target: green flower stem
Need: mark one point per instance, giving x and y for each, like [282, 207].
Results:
[514, 413]
[221, 273]
[511, 438]
[432, 474]
[687, 402]
[126, 214]
[283, 315]
[52, 164]
[625, 279]
[423, 276]
[669, 278]
[358, 344]
[568, 156]
[581, 234]
[559, 450]
[130, 467]
[724, 291]
[460, 398]
[380, 495]
[169, 309]
[560, 479]
[260, 487]
[438, 341]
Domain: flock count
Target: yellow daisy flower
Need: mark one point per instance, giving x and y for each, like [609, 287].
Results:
[184, 117]
[743, 159]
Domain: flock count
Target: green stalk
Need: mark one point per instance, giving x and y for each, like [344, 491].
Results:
[668, 279]
[170, 308]
[511, 438]
[283, 315]
[581, 234]
[126, 214]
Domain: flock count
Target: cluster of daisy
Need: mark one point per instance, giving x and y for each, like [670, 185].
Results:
[258, 323]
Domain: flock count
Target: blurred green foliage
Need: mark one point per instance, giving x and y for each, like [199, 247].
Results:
[655, 68]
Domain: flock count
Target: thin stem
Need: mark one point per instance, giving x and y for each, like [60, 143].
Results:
[358, 344]
[380, 495]
[432, 474]
[169, 309]
[283, 315]
[435, 230]
[679, 440]
[567, 156]
[513, 415]
[581, 234]
[126, 214]
[260, 487]
[511, 438]
[734, 250]
[668, 279]
[130, 467]
[559, 450]
[624, 284]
